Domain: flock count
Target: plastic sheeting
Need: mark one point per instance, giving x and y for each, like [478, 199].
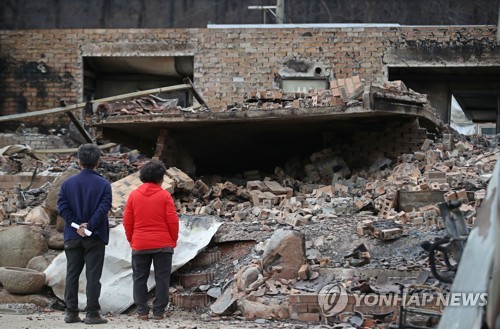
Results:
[459, 121]
[195, 234]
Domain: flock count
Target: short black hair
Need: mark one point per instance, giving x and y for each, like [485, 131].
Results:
[89, 155]
[152, 172]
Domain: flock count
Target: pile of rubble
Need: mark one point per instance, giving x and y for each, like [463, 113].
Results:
[144, 105]
[460, 170]
[298, 194]
[344, 95]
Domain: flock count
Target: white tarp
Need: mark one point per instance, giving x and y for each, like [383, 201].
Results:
[459, 121]
[195, 234]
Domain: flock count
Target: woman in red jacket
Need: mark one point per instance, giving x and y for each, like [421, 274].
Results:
[152, 228]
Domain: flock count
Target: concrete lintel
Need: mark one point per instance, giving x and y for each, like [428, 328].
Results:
[383, 109]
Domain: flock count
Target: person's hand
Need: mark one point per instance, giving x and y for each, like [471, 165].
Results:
[81, 229]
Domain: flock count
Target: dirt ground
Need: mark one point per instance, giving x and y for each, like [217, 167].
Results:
[27, 319]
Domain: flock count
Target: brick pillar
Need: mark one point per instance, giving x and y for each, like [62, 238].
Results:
[172, 155]
[165, 148]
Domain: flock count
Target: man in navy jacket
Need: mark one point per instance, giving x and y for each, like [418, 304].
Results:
[85, 199]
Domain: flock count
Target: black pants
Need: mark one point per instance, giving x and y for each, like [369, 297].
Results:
[141, 266]
[79, 252]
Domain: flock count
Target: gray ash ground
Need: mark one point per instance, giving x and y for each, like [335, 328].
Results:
[333, 238]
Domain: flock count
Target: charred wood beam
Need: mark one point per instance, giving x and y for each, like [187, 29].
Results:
[195, 93]
[80, 127]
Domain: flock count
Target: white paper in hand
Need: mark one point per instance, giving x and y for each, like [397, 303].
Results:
[87, 232]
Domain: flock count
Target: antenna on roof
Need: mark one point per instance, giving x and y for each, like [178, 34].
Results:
[279, 11]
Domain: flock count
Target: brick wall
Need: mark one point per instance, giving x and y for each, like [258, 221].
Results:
[40, 66]
[35, 141]
[397, 138]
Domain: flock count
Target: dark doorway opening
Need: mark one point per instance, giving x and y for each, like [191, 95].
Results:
[111, 76]
[476, 89]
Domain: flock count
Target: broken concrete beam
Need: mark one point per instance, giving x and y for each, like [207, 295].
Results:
[419, 99]
[182, 180]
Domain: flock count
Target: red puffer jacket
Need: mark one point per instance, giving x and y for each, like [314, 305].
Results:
[150, 218]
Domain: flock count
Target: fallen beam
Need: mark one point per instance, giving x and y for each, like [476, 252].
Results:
[195, 93]
[63, 109]
[80, 127]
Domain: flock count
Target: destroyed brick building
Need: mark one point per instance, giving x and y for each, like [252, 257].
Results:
[313, 125]
[228, 63]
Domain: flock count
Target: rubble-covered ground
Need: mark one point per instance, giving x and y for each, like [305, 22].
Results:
[337, 210]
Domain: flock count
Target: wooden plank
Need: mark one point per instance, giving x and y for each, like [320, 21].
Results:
[63, 109]
[195, 93]
[80, 127]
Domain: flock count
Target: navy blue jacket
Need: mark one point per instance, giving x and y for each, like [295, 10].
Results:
[85, 198]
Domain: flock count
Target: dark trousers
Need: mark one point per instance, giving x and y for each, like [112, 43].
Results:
[141, 266]
[79, 252]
